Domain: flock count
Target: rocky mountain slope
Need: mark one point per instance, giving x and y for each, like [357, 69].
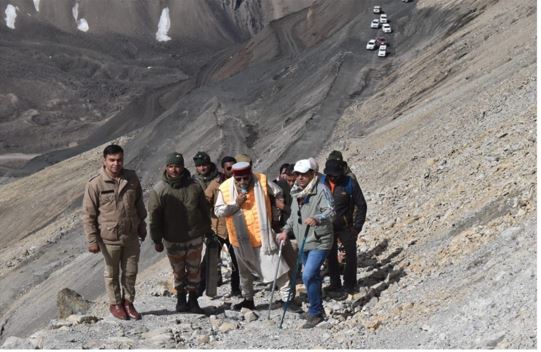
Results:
[441, 135]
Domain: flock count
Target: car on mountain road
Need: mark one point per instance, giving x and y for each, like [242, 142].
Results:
[382, 51]
[381, 41]
[383, 18]
[386, 28]
[374, 23]
[376, 9]
[371, 45]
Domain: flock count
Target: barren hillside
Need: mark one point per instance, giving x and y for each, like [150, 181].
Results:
[441, 135]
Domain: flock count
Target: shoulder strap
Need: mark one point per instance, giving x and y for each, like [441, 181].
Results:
[349, 186]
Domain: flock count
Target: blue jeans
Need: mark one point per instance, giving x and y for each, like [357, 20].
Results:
[312, 261]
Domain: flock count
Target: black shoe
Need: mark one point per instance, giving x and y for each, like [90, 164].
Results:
[351, 290]
[333, 288]
[312, 321]
[182, 306]
[193, 305]
[292, 307]
[244, 304]
[236, 293]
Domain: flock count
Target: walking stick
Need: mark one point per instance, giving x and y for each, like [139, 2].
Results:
[294, 278]
[275, 275]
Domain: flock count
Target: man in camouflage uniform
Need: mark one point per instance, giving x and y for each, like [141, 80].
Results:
[179, 220]
[114, 223]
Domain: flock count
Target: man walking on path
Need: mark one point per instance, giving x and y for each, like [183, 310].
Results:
[179, 220]
[244, 201]
[348, 200]
[312, 206]
[114, 223]
[206, 170]
[218, 224]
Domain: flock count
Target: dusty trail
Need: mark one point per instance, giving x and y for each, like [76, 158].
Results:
[277, 109]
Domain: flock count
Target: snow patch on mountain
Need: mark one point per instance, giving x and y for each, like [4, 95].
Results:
[82, 24]
[36, 5]
[163, 26]
[11, 15]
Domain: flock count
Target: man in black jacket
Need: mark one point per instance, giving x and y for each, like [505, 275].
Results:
[347, 224]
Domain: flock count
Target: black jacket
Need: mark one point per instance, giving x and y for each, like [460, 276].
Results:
[346, 199]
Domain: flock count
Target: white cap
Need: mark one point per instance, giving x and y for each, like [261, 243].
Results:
[302, 166]
[313, 164]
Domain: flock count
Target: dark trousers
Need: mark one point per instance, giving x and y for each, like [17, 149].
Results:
[235, 280]
[350, 270]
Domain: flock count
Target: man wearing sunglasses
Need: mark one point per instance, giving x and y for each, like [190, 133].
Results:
[350, 207]
[218, 224]
[244, 200]
[312, 214]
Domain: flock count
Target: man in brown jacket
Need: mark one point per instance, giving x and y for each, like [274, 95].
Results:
[218, 225]
[114, 223]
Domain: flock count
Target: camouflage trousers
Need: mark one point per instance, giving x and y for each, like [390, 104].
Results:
[185, 259]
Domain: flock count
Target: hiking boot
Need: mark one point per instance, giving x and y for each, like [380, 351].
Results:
[182, 305]
[292, 307]
[130, 310]
[193, 305]
[312, 321]
[244, 304]
[117, 310]
[350, 290]
[333, 288]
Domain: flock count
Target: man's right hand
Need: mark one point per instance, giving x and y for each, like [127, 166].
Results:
[93, 248]
[282, 236]
[241, 198]
[158, 247]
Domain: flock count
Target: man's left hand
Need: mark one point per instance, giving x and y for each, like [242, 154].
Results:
[311, 221]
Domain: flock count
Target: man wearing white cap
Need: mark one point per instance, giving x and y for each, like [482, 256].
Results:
[244, 201]
[312, 214]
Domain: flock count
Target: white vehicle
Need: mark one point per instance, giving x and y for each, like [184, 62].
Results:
[386, 28]
[383, 18]
[376, 9]
[405, 0]
[374, 23]
[382, 52]
[371, 45]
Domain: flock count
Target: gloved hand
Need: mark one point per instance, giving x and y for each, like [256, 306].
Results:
[93, 248]
[158, 247]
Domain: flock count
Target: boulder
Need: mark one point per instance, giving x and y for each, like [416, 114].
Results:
[18, 343]
[70, 302]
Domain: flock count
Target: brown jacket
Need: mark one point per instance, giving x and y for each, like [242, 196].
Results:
[218, 224]
[114, 212]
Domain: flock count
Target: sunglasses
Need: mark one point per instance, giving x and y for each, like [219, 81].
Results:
[240, 178]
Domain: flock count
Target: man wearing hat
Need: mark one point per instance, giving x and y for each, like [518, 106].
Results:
[350, 207]
[337, 155]
[244, 200]
[206, 170]
[218, 224]
[179, 220]
[312, 215]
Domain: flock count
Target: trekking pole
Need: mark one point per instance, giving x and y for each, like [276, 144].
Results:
[294, 278]
[275, 275]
